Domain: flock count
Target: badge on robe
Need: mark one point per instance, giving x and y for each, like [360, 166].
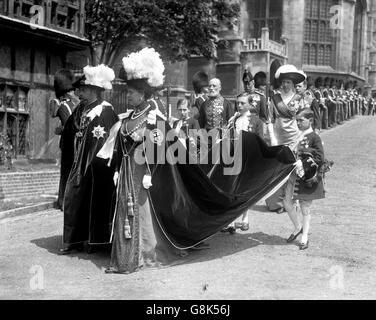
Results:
[98, 132]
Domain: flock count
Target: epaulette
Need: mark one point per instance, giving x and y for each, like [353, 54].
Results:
[260, 92]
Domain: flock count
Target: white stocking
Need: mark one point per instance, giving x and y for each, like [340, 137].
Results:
[305, 207]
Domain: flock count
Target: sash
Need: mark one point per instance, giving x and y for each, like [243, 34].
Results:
[107, 150]
[283, 109]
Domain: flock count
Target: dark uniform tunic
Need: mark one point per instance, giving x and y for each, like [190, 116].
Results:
[215, 113]
[259, 105]
[67, 105]
[303, 191]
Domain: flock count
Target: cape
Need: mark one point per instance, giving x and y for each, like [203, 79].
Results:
[191, 206]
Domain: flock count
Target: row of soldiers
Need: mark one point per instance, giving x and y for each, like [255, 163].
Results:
[338, 101]
[333, 101]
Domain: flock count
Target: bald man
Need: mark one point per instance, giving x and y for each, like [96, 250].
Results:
[216, 111]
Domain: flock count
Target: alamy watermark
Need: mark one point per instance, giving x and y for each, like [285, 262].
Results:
[202, 147]
[336, 21]
[336, 277]
[38, 16]
[37, 278]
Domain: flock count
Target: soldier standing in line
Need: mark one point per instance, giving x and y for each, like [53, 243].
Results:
[317, 91]
[330, 103]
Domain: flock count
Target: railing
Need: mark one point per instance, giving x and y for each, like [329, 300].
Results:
[66, 16]
[265, 44]
[252, 44]
[277, 48]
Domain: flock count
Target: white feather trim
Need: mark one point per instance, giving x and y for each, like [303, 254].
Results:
[100, 76]
[145, 64]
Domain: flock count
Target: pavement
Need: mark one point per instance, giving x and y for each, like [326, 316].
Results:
[257, 264]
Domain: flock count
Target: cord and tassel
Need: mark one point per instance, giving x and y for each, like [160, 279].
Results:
[130, 191]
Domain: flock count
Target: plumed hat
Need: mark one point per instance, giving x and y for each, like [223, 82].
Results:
[327, 81]
[260, 79]
[290, 72]
[200, 80]
[99, 77]
[144, 66]
[63, 82]
[247, 76]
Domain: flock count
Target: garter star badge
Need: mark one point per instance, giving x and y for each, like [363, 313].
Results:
[98, 132]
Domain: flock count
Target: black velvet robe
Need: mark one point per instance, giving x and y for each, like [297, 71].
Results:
[191, 206]
[90, 189]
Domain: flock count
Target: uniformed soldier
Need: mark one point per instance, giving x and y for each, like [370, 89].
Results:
[317, 91]
[330, 103]
[62, 107]
[257, 95]
[310, 101]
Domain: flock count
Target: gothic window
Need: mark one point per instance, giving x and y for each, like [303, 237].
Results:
[357, 37]
[14, 116]
[260, 16]
[318, 38]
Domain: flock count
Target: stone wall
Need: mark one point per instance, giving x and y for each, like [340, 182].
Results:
[21, 185]
[293, 30]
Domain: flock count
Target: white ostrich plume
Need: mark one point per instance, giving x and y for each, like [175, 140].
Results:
[145, 64]
[100, 76]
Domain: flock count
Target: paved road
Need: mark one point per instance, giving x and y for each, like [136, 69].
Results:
[257, 264]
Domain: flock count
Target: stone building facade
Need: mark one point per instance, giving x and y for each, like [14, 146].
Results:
[37, 38]
[334, 38]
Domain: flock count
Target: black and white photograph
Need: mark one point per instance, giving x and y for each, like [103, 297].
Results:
[187, 150]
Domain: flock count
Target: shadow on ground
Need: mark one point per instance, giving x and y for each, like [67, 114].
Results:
[100, 257]
[221, 245]
[225, 244]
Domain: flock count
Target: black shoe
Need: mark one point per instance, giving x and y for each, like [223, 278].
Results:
[70, 248]
[292, 237]
[303, 246]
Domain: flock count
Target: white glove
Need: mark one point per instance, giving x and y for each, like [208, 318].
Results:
[116, 177]
[273, 141]
[299, 168]
[146, 181]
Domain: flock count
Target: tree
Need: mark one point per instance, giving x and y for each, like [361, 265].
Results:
[177, 29]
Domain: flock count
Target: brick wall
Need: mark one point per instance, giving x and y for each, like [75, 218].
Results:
[28, 184]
